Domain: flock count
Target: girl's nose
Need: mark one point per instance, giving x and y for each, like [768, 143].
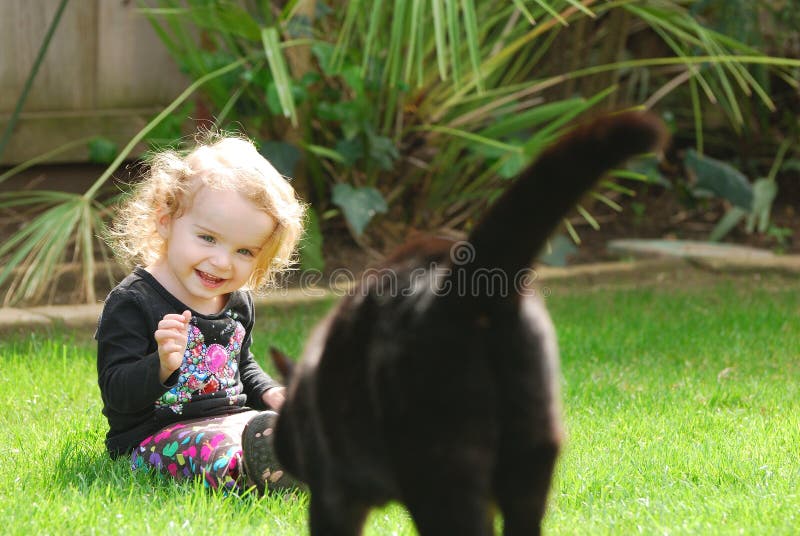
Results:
[221, 260]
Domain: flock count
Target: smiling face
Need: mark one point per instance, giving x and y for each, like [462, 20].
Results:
[211, 248]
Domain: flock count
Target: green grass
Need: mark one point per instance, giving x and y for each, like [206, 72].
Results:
[681, 408]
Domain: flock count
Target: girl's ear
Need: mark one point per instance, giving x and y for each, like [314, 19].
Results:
[163, 223]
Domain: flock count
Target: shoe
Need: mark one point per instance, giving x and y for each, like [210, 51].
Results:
[261, 467]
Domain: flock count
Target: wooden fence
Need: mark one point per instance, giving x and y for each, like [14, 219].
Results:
[106, 73]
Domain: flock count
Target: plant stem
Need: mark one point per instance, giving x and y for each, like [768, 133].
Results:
[43, 158]
[90, 193]
[12, 121]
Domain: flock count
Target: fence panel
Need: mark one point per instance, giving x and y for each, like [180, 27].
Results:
[105, 73]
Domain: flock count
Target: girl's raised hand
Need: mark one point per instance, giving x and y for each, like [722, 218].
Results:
[172, 335]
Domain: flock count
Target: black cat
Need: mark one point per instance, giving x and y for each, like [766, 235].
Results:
[436, 382]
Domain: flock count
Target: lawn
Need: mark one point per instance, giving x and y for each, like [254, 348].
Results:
[681, 406]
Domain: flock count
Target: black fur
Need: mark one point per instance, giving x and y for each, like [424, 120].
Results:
[432, 386]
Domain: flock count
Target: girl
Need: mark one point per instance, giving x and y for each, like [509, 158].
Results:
[180, 387]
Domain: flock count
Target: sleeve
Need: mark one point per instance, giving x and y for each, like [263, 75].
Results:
[254, 379]
[127, 364]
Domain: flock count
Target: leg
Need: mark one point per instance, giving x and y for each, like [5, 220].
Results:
[451, 511]
[331, 514]
[258, 455]
[208, 448]
[522, 483]
[449, 496]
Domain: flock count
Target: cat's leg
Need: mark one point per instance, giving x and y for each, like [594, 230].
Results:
[332, 514]
[522, 482]
[448, 498]
[451, 514]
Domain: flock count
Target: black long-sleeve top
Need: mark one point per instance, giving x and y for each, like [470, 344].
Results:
[218, 374]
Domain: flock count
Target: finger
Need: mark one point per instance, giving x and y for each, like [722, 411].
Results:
[172, 323]
[163, 335]
[175, 349]
[172, 352]
[277, 401]
[176, 317]
[187, 316]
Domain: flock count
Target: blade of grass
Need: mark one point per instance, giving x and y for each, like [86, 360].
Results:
[581, 7]
[471, 28]
[629, 175]
[697, 113]
[439, 31]
[280, 72]
[31, 237]
[610, 185]
[373, 28]
[572, 232]
[347, 32]
[415, 36]
[607, 201]
[33, 197]
[552, 12]
[588, 217]
[84, 244]
[471, 137]
[520, 5]
[41, 265]
[454, 39]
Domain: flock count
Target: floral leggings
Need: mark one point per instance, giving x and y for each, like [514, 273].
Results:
[210, 448]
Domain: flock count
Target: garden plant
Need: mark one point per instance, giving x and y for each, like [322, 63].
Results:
[422, 110]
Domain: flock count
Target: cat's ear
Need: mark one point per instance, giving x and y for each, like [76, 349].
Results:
[283, 363]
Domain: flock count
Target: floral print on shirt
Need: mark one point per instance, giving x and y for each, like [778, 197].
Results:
[207, 371]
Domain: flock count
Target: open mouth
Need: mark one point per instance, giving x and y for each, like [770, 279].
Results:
[209, 280]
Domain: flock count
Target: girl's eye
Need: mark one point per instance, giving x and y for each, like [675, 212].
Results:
[207, 238]
[245, 252]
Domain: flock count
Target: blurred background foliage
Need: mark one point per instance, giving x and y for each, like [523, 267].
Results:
[397, 115]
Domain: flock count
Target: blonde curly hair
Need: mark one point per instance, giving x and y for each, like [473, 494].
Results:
[226, 163]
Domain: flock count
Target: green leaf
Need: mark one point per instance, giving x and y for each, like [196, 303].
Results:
[325, 152]
[588, 217]
[359, 205]
[471, 28]
[351, 151]
[764, 193]
[730, 220]
[515, 121]
[512, 165]
[720, 178]
[440, 29]
[270, 40]
[324, 52]
[102, 150]
[284, 156]
[382, 151]
[645, 168]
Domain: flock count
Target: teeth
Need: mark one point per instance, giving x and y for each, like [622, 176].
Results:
[209, 277]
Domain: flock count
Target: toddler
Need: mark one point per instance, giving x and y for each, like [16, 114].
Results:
[180, 387]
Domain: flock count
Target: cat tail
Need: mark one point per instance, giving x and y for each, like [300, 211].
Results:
[517, 226]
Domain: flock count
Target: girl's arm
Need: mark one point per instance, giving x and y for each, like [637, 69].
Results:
[128, 365]
[256, 382]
